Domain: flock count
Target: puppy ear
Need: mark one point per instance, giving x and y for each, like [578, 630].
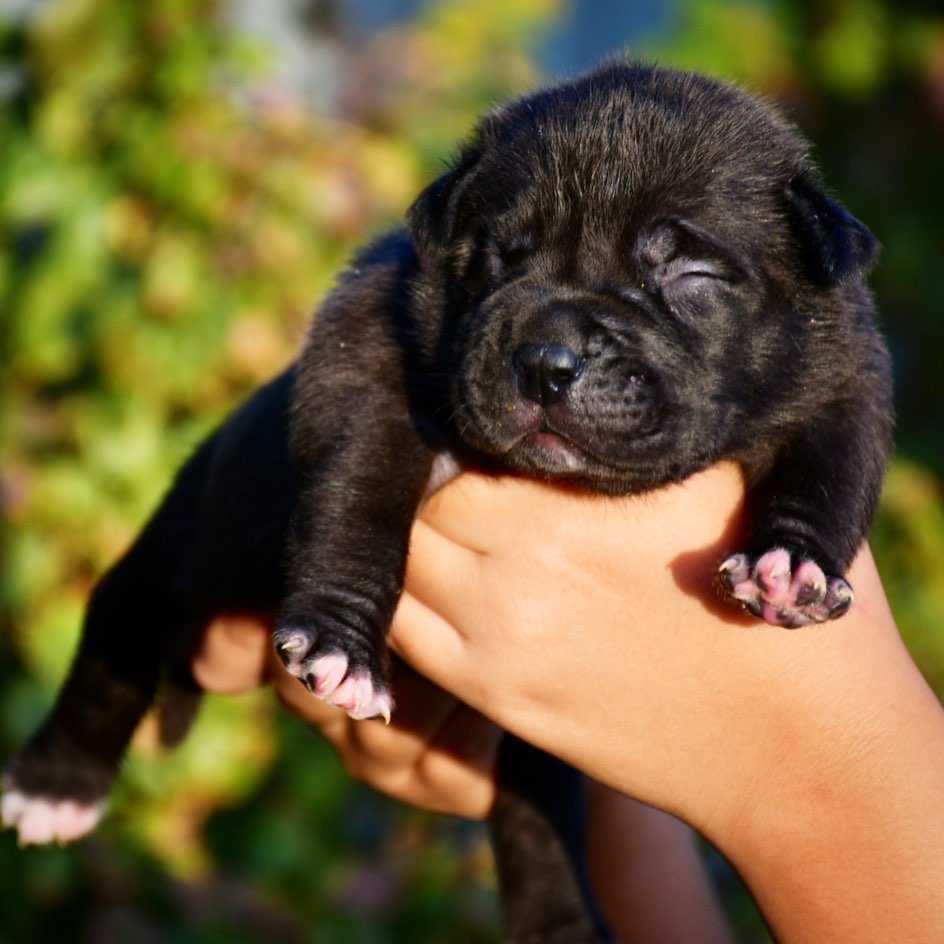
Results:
[836, 246]
[433, 216]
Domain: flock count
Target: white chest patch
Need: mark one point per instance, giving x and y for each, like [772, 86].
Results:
[445, 468]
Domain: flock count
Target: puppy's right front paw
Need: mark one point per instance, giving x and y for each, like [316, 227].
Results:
[782, 591]
[324, 668]
[39, 819]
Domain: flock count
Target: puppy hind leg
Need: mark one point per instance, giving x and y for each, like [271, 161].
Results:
[200, 553]
[178, 702]
[55, 787]
[537, 832]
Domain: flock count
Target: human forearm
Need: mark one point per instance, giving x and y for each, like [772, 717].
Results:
[647, 873]
[835, 819]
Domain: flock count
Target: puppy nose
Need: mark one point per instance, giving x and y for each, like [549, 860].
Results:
[545, 371]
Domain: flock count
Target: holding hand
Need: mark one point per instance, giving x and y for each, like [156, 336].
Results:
[589, 626]
[436, 752]
[813, 758]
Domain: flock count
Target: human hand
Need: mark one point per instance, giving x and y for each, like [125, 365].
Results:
[436, 752]
[585, 624]
[439, 754]
[813, 758]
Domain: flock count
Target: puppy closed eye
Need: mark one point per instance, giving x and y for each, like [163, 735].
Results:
[691, 275]
[508, 255]
[690, 289]
[685, 263]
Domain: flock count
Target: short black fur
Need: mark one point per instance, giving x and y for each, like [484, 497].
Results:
[622, 280]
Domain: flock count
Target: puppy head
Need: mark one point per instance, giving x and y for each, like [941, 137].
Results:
[636, 269]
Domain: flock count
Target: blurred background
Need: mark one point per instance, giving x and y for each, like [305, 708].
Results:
[179, 182]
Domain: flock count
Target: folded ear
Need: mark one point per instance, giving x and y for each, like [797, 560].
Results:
[836, 246]
[433, 216]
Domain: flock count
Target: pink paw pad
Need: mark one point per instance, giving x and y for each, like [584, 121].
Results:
[773, 589]
[325, 674]
[357, 697]
[330, 677]
[40, 820]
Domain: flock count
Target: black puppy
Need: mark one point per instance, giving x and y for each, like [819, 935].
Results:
[622, 280]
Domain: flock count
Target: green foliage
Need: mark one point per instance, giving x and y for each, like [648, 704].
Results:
[909, 545]
[168, 219]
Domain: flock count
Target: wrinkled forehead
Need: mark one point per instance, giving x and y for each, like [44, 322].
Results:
[587, 187]
[603, 163]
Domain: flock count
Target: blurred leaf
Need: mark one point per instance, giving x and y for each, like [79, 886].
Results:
[851, 49]
[909, 545]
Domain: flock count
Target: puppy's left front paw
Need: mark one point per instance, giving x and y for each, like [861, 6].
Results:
[771, 587]
[321, 664]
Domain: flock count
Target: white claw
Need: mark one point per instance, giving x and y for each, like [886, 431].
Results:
[384, 710]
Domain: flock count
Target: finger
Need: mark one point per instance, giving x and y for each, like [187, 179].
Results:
[423, 706]
[459, 767]
[469, 738]
[422, 710]
[438, 754]
[451, 772]
[429, 642]
[455, 512]
[428, 616]
[233, 655]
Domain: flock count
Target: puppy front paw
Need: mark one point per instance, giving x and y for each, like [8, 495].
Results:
[42, 819]
[775, 589]
[321, 664]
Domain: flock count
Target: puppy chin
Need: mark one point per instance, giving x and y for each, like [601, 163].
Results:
[521, 438]
[528, 440]
[547, 453]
